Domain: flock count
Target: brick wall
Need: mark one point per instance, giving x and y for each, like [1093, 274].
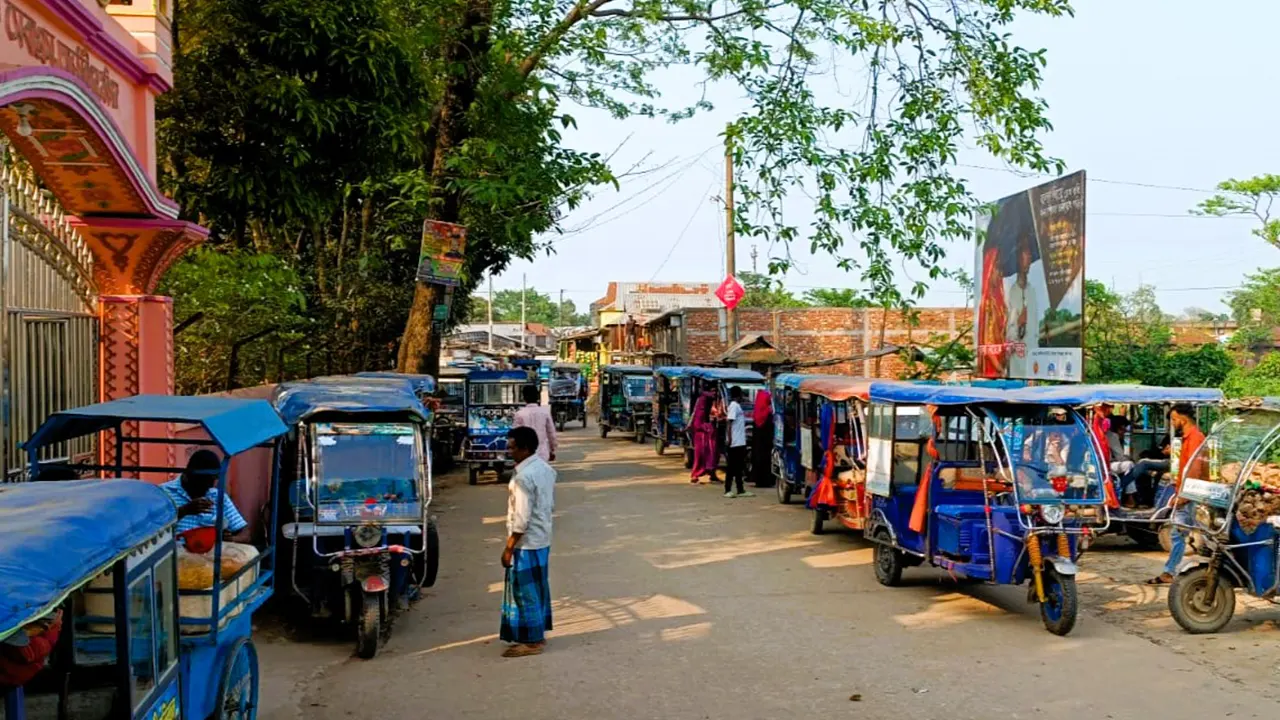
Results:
[809, 334]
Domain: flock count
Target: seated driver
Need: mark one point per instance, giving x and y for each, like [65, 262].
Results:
[195, 495]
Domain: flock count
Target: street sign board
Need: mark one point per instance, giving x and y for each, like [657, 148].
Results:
[730, 292]
[444, 248]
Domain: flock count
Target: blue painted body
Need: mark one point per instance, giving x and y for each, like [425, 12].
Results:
[669, 413]
[485, 446]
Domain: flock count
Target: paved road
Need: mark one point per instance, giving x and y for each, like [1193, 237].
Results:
[673, 602]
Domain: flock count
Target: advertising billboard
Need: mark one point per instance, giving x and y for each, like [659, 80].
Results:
[1029, 317]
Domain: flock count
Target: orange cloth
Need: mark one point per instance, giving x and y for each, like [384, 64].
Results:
[825, 492]
[1192, 438]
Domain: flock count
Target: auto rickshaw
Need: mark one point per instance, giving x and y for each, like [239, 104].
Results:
[670, 410]
[152, 629]
[358, 470]
[718, 381]
[987, 484]
[450, 427]
[493, 397]
[1146, 409]
[567, 392]
[1232, 486]
[532, 367]
[626, 400]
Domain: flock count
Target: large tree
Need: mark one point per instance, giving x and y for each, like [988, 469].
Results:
[538, 308]
[937, 74]
[1254, 197]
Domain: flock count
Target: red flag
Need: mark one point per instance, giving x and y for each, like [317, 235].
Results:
[730, 292]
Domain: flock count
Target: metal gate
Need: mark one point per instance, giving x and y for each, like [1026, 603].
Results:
[50, 304]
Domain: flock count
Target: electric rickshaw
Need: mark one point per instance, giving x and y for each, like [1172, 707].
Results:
[670, 409]
[357, 467]
[153, 626]
[992, 485]
[449, 428]
[567, 393]
[718, 381]
[532, 367]
[493, 397]
[626, 400]
[1231, 492]
[834, 447]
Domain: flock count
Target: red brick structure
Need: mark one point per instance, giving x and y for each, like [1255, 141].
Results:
[698, 336]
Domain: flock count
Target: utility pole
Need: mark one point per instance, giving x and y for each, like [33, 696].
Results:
[560, 308]
[490, 312]
[730, 260]
[522, 325]
[754, 269]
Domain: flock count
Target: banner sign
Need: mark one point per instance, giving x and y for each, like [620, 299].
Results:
[730, 292]
[1030, 284]
[444, 247]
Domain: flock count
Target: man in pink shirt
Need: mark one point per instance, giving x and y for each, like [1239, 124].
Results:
[534, 416]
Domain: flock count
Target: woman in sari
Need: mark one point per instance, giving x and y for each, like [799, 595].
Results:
[704, 439]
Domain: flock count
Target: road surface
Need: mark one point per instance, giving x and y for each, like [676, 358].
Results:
[673, 602]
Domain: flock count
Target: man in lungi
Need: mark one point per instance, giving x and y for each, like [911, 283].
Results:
[526, 600]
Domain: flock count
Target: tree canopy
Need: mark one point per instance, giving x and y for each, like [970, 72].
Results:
[539, 308]
[1254, 197]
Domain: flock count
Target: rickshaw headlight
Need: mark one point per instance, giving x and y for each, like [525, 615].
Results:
[1206, 517]
[1053, 514]
[366, 536]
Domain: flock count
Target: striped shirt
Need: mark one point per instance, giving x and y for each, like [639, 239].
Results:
[231, 518]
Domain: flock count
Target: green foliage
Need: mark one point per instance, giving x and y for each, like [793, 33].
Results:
[836, 297]
[1259, 381]
[1252, 197]
[1255, 306]
[237, 295]
[765, 292]
[539, 308]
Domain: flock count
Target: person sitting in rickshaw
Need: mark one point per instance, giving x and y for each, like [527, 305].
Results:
[26, 652]
[194, 494]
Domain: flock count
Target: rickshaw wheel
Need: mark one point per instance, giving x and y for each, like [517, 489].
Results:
[1166, 537]
[659, 446]
[640, 434]
[433, 553]
[473, 475]
[1061, 603]
[888, 561]
[369, 627]
[819, 521]
[560, 425]
[688, 458]
[238, 687]
[784, 491]
[584, 420]
[604, 430]
[1187, 602]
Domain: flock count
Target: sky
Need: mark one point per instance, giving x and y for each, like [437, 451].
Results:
[1141, 93]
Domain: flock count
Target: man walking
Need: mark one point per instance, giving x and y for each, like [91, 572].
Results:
[526, 600]
[1182, 420]
[737, 420]
[539, 419]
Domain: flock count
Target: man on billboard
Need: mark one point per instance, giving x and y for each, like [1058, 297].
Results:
[1023, 313]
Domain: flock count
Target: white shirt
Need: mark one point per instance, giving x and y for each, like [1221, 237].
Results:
[1020, 298]
[531, 498]
[737, 425]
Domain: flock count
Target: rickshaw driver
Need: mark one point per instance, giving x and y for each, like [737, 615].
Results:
[1182, 420]
[25, 653]
[194, 494]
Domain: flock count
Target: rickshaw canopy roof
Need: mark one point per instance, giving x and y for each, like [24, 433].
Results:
[628, 369]
[573, 367]
[1084, 395]
[673, 371]
[59, 535]
[890, 391]
[837, 387]
[297, 401]
[235, 424]
[422, 384]
[497, 376]
[726, 374]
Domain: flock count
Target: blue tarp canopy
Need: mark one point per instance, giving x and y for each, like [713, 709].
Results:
[789, 380]
[628, 369]
[673, 371]
[1079, 395]
[421, 384]
[60, 535]
[235, 424]
[297, 401]
[727, 374]
[498, 376]
[918, 394]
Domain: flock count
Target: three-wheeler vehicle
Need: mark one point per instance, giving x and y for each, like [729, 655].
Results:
[450, 426]
[626, 400]
[670, 410]
[987, 484]
[532, 367]
[718, 381]
[151, 629]
[493, 397]
[357, 471]
[1146, 409]
[567, 392]
[1232, 490]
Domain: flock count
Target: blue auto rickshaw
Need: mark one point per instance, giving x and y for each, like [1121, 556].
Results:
[1231, 487]
[992, 485]
[493, 397]
[567, 394]
[532, 367]
[104, 551]
[670, 409]
[626, 400]
[357, 465]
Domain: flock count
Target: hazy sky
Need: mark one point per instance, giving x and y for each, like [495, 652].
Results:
[1162, 92]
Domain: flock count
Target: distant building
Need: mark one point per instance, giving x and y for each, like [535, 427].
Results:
[537, 337]
[641, 300]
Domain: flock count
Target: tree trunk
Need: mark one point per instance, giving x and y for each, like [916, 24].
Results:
[468, 52]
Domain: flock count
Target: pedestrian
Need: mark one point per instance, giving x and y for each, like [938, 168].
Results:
[1182, 420]
[538, 418]
[703, 430]
[737, 419]
[526, 599]
[762, 438]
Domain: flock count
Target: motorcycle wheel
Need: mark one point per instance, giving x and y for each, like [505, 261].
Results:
[433, 553]
[369, 627]
[889, 562]
[1061, 605]
[1196, 613]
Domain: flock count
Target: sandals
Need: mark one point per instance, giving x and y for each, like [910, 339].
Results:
[1160, 580]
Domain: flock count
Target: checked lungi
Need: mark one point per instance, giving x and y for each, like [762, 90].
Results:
[526, 600]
